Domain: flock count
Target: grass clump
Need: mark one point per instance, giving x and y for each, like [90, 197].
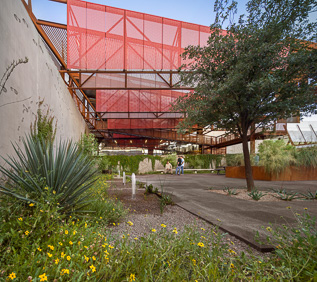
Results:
[286, 196]
[275, 156]
[230, 191]
[256, 194]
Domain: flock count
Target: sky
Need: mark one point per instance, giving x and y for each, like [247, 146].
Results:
[193, 11]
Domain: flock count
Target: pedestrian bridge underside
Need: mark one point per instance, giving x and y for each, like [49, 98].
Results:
[121, 68]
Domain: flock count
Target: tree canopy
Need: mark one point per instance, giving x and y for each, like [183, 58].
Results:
[253, 72]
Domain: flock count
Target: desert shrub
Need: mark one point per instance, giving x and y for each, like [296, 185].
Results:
[296, 248]
[40, 173]
[306, 156]
[88, 144]
[43, 127]
[235, 160]
[275, 156]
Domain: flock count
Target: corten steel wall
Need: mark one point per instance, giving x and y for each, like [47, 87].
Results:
[106, 38]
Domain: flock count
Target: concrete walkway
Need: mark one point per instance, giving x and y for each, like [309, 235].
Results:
[241, 218]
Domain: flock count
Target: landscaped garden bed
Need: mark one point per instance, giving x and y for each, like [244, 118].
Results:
[277, 161]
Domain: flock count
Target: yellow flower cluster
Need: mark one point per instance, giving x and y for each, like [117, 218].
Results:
[65, 271]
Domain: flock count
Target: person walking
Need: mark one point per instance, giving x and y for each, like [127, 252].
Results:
[182, 165]
[178, 167]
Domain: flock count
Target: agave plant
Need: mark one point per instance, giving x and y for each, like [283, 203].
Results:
[40, 172]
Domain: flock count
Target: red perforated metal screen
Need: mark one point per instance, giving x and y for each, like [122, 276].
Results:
[107, 38]
[102, 37]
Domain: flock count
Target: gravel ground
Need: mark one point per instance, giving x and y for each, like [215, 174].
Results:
[144, 213]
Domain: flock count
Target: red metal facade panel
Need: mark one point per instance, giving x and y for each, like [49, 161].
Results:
[102, 37]
[149, 105]
[107, 38]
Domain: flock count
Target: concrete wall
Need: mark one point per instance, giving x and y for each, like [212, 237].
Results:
[29, 83]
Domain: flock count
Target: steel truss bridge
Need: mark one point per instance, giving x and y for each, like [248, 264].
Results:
[121, 68]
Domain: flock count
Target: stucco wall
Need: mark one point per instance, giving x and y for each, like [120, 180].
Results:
[29, 83]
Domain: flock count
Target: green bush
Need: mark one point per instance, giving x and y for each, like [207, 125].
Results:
[43, 127]
[296, 248]
[88, 144]
[275, 156]
[41, 173]
[202, 161]
[235, 160]
[128, 164]
[306, 157]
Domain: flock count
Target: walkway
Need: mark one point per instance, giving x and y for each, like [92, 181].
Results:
[241, 218]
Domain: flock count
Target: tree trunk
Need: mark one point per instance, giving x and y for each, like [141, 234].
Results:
[247, 162]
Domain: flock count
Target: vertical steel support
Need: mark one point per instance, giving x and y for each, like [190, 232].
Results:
[125, 39]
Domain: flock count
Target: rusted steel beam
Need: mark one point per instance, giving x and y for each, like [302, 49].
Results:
[43, 34]
[59, 1]
[130, 88]
[52, 24]
[122, 71]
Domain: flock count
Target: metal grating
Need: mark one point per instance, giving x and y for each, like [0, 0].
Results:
[58, 37]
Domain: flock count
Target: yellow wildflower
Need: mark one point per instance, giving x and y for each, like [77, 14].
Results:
[232, 265]
[57, 261]
[65, 271]
[31, 205]
[12, 276]
[132, 277]
[163, 225]
[269, 229]
[130, 223]
[153, 230]
[93, 269]
[93, 257]
[60, 243]
[43, 277]
[51, 247]
[74, 232]
[66, 232]
[232, 252]
[26, 233]
[68, 257]
[200, 244]
[39, 249]
[20, 219]
[70, 243]
[194, 261]
[50, 255]
[63, 255]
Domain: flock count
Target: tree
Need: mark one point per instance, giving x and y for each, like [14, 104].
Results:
[254, 72]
